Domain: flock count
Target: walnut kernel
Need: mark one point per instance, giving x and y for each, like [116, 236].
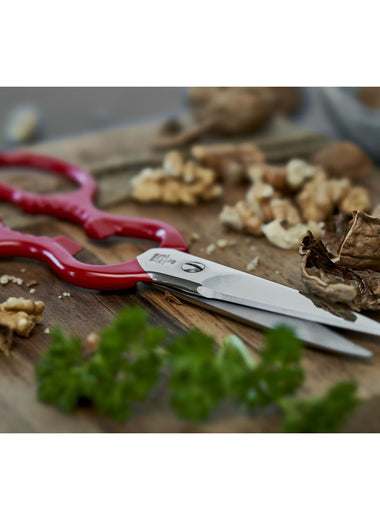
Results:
[177, 182]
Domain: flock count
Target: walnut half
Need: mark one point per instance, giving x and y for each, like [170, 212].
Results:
[19, 316]
[177, 182]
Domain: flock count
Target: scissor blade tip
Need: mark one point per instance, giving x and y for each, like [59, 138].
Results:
[364, 353]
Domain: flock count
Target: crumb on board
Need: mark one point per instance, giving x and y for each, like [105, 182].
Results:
[64, 295]
[23, 270]
[32, 283]
[32, 290]
[223, 242]
[6, 279]
[251, 266]
[47, 330]
[210, 249]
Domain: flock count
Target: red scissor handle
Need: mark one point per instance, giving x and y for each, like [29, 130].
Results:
[77, 207]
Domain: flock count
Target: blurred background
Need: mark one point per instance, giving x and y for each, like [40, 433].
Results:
[37, 114]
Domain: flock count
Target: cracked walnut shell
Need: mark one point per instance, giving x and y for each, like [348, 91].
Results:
[360, 245]
[337, 287]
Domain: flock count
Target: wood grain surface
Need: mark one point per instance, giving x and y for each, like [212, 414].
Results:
[87, 311]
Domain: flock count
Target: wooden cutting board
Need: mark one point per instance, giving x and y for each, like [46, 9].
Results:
[86, 311]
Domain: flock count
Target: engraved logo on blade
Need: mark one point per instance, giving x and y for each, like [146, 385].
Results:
[160, 258]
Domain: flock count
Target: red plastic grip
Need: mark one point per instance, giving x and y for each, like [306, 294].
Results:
[77, 207]
[58, 254]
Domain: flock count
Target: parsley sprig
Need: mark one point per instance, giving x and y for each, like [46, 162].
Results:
[132, 357]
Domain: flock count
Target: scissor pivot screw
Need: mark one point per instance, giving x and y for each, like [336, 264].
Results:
[193, 267]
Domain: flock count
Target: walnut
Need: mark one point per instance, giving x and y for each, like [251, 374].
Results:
[286, 201]
[315, 201]
[284, 178]
[360, 245]
[284, 209]
[241, 217]
[339, 189]
[356, 199]
[173, 163]
[230, 161]
[21, 315]
[281, 235]
[6, 279]
[232, 110]
[320, 196]
[258, 197]
[344, 159]
[177, 182]
[298, 172]
[276, 176]
[327, 282]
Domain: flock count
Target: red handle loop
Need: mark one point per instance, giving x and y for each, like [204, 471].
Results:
[77, 207]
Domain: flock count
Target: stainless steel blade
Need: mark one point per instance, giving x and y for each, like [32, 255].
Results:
[199, 276]
[311, 333]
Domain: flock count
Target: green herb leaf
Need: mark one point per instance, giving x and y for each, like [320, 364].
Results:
[126, 365]
[60, 372]
[194, 379]
[123, 370]
[131, 358]
[280, 372]
[258, 384]
[322, 415]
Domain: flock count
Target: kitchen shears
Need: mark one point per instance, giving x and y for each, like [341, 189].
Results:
[240, 295]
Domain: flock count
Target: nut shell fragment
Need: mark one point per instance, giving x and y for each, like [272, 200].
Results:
[360, 246]
[327, 281]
